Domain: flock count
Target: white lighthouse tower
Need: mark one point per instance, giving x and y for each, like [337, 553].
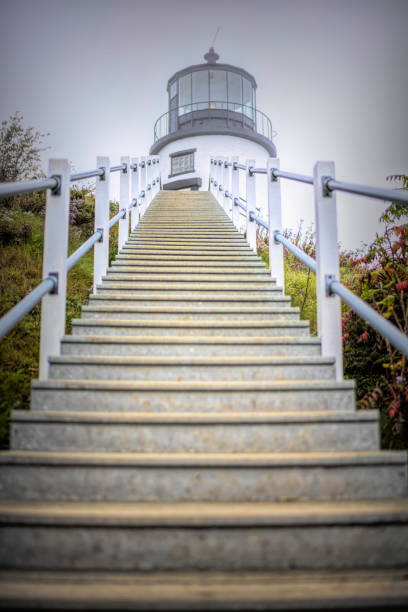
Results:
[211, 110]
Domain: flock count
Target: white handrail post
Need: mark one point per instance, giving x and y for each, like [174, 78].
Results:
[134, 191]
[142, 185]
[123, 231]
[226, 184]
[235, 191]
[275, 222]
[210, 176]
[328, 306]
[153, 177]
[55, 263]
[250, 204]
[158, 173]
[101, 248]
[214, 175]
[148, 181]
[219, 179]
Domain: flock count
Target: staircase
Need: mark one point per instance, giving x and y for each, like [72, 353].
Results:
[192, 449]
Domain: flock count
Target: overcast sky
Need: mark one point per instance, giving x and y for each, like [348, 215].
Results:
[332, 76]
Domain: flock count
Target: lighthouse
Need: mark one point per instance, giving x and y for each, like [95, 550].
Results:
[211, 110]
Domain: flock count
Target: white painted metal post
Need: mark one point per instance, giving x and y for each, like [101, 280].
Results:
[101, 248]
[275, 223]
[226, 185]
[123, 231]
[210, 176]
[153, 177]
[55, 264]
[158, 173]
[134, 192]
[250, 204]
[219, 179]
[235, 192]
[142, 184]
[214, 175]
[148, 182]
[328, 306]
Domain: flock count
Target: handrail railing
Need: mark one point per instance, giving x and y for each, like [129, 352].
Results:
[247, 116]
[329, 287]
[145, 176]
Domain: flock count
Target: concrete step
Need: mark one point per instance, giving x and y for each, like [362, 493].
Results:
[191, 313]
[255, 279]
[151, 267]
[194, 248]
[181, 290]
[192, 396]
[187, 432]
[100, 367]
[146, 327]
[192, 259]
[188, 233]
[203, 299]
[212, 477]
[339, 590]
[208, 245]
[199, 346]
[191, 230]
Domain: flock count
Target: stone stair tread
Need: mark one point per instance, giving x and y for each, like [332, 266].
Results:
[194, 385]
[182, 340]
[205, 513]
[187, 271]
[239, 287]
[191, 360]
[317, 416]
[184, 277]
[295, 590]
[334, 459]
[193, 309]
[189, 324]
[193, 298]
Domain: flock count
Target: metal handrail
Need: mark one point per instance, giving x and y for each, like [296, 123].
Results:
[332, 284]
[391, 195]
[19, 311]
[50, 284]
[301, 255]
[118, 168]
[378, 322]
[84, 248]
[254, 217]
[11, 189]
[251, 113]
[80, 176]
[330, 184]
[239, 204]
[300, 178]
[116, 218]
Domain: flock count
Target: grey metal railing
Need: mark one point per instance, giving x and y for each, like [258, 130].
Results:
[327, 266]
[143, 174]
[246, 116]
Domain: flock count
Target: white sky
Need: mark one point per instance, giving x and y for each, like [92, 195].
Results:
[332, 76]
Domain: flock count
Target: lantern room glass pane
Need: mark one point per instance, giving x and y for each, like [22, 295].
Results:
[235, 91]
[247, 97]
[218, 89]
[200, 90]
[185, 94]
